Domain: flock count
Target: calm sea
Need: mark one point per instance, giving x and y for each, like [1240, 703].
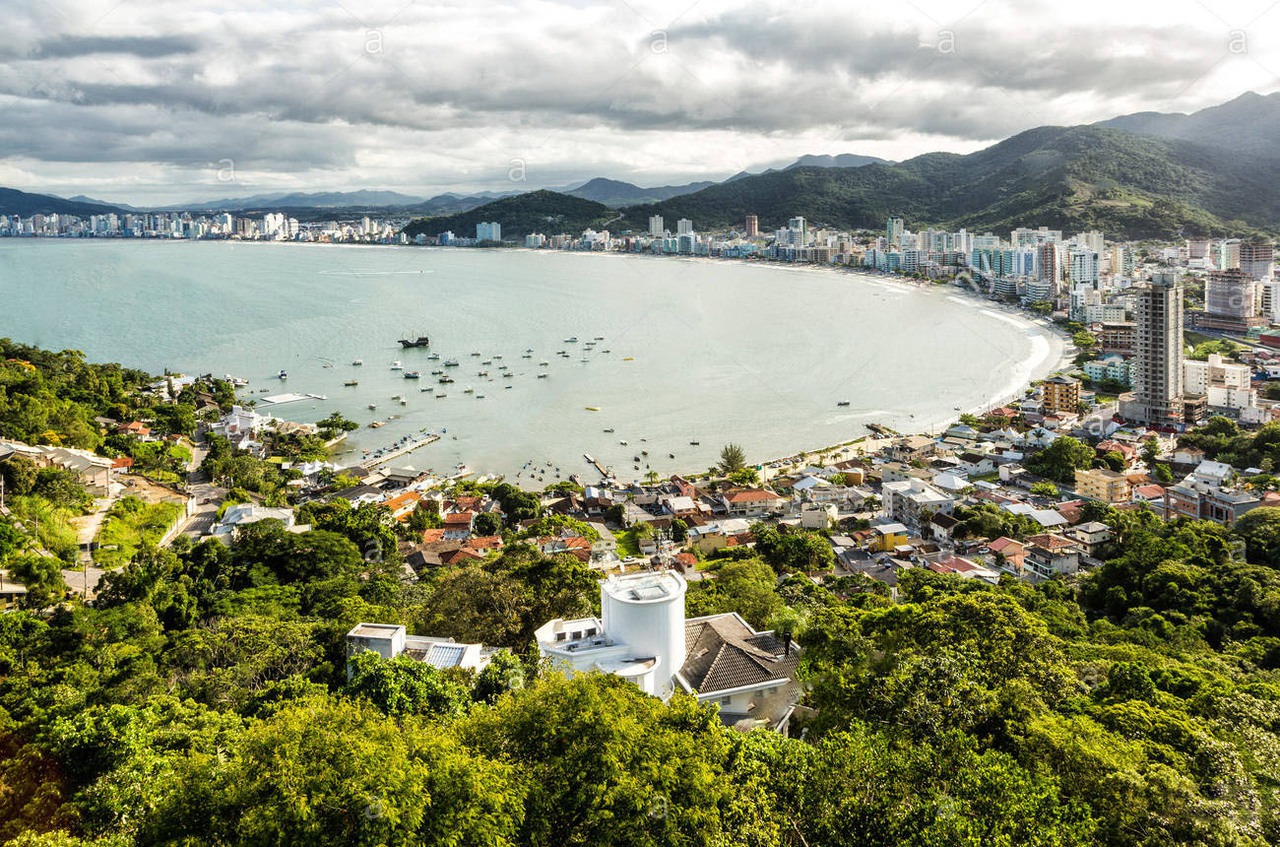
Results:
[692, 350]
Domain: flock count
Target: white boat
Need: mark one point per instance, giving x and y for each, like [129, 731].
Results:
[357, 363]
[235, 381]
[282, 375]
[396, 366]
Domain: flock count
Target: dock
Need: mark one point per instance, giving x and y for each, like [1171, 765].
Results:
[408, 447]
[600, 469]
[279, 399]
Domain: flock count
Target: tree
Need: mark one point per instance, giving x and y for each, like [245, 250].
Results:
[1044, 489]
[487, 523]
[1061, 459]
[746, 587]
[732, 458]
[19, 473]
[404, 686]
[745, 477]
[334, 425]
[1260, 529]
[42, 576]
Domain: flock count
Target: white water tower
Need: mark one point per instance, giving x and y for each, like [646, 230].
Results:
[645, 611]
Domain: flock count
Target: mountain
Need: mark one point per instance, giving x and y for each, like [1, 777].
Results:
[615, 193]
[1248, 125]
[1074, 178]
[315, 200]
[80, 198]
[537, 211]
[14, 202]
[842, 160]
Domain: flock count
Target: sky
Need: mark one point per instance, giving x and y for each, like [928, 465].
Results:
[161, 102]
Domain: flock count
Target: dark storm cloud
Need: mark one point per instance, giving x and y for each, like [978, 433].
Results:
[144, 47]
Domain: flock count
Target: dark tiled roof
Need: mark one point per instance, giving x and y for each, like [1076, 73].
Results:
[723, 653]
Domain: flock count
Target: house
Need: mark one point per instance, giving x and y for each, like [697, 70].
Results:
[1048, 555]
[1208, 493]
[402, 505]
[712, 536]
[751, 502]
[912, 448]
[1090, 536]
[243, 514]
[571, 545]
[818, 516]
[1102, 484]
[976, 464]
[889, 537]
[913, 502]
[1009, 554]
[643, 636]
[963, 568]
[679, 506]
[458, 525]
[942, 525]
[136, 429]
[391, 640]
[1151, 493]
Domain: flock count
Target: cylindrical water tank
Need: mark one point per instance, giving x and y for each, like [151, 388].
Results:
[645, 611]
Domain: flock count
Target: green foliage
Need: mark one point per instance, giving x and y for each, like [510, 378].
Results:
[792, 549]
[1044, 489]
[1061, 459]
[132, 525]
[535, 211]
[405, 686]
[746, 587]
[557, 524]
[732, 458]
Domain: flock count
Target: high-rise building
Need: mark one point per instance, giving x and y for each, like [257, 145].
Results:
[1091, 240]
[1227, 254]
[1049, 262]
[655, 226]
[1157, 373]
[753, 226]
[1061, 394]
[1258, 260]
[1230, 293]
[799, 231]
[489, 231]
[1084, 265]
[684, 226]
[893, 232]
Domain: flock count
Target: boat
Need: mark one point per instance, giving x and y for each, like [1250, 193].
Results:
[503, 367]
[671, 455]
[412, 375]
[437, 372]
[694, 443]
[468, 390]
[435, 357]
[441, 396]
[843, 403]
[623, 443]
[526, 355]
[482, 373]
[573, 339]
[451, 363]
[479, 396]
[487, 362]
[592, 408]
[628, 358]
[476, 353]
[542, 376]
[376, 424]
[635, 458]
[644, 452]
[351, 382]
[420, 341]
[507, 375]
[282, 375]
[403, 401]
[608, 429]
[428, 388]
[236, 382]
[357, 363]
[606, 350]
[543, 363]
[396, 366]
[445, 380]
[373, 405]
[599, 338]
[508, 387]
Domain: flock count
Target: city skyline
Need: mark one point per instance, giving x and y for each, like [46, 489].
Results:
[148, 104]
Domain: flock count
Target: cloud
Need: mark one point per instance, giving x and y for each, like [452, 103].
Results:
[70, 46]
[431, 96]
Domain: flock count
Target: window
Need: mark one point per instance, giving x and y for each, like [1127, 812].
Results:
[725, 701]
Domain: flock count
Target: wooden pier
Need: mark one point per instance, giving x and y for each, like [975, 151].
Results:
[408, 447]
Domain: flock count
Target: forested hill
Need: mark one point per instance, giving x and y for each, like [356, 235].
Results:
[1073, 178]
[536, 211]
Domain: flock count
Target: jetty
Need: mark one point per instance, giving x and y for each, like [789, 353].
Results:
[600, 469]
[398, 450]
[279, 399]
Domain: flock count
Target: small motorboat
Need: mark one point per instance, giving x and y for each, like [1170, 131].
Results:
[434, 357]
[376, 424]
[609, 429]
[694, 443]
[282, 375]
[396, 366]
[373, 405]
[451, 363]
[843, 403]
[412, 375]
[357, 363]
[592, 408]
[573, 339]
[623, 443]
[351, 382]
[542, 376]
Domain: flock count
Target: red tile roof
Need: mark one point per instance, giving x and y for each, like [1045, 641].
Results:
[431, 536]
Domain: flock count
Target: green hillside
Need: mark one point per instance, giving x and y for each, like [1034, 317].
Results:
[1074, 178]
[537, 211]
